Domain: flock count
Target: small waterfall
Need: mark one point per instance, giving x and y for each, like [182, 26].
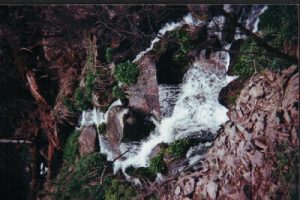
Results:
[196, 109]
[190, 108]
[168, 96]
[95, 116]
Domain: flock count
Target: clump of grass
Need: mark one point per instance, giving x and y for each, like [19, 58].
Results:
[118, 93]
[71, 147]
[185, 45]
[141, 173]
[178, 148]
[79, 180]
[157, 164]
[115, 189]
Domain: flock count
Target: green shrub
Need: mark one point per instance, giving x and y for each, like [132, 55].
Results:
[157, 164]
[141, 173]
[114, 189]
[178, 148]
[280, 23]
[71, 147]
[127, 72]
[81, 101]
[118, 93]
[185, 45]
[254, 58]
[80, 180]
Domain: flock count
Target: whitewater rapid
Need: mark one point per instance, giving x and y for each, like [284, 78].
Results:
[189, 108]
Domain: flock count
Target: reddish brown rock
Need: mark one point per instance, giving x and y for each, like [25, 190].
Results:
[143, 96]
[87, 140]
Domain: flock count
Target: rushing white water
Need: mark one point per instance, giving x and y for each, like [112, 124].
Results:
[189, 108]
[188, 19]
[251, 22]
[95, 116]
[196, 109]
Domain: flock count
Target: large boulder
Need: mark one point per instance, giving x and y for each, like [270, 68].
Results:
[87, 140]
[143, 95]
[115, 127]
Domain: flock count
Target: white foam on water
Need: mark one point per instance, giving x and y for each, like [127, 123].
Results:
[197, 108]
[95, 116]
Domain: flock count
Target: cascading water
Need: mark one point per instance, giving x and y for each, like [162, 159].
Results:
[190, 108]
[168, 96]
[197, 109]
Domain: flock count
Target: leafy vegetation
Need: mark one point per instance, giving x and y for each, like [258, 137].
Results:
[185, 45]
[157, 164]
[71, 147]
[178, 148]
[278, 25]
[127, 72]
[141, 173]
[116, 189]
[118, 93]
[79, 180]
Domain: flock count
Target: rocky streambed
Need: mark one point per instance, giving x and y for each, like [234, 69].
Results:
[183, 129]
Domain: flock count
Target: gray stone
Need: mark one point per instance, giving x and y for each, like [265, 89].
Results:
[87, 140]
[143, 95]
[256, 91]
[177, 190]
[189, 187]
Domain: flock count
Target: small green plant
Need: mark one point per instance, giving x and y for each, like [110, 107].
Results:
[141, 173]
[71, 147]
[77, 180]
[81, 101]
[118, 93]
[115, 189]
[253, 58]
[157, 164]
[178, 148]
[185, 45]
[127, 72]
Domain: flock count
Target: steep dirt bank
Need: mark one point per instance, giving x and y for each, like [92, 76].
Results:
[256, 154]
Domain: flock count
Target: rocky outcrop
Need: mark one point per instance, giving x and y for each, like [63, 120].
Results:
[143, 95]
[87, 140]
[115, 127]
[244, 162]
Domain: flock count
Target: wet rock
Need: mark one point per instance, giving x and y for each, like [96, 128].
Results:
[143, 95]
[137, 126]
[115, 126]
[157, 149]
[212, 188]
[87, 140]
